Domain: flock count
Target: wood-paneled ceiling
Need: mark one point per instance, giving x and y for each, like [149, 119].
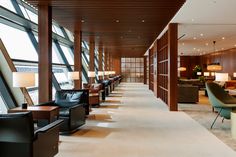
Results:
[126, 27]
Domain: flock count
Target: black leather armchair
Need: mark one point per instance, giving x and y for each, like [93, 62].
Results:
[18, 137]
[73, 108]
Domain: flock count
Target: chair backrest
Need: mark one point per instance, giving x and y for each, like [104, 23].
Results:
[16, 127]
[83, 96]
[217, 95]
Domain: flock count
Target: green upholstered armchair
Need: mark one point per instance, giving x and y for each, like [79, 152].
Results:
[220, 100]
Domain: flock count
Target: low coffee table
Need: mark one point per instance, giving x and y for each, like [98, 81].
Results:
[48, 113]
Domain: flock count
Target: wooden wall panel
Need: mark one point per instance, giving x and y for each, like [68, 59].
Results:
[189, 62]
[226, 58]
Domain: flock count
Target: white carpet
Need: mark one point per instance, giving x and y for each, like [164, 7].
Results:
[133, 123]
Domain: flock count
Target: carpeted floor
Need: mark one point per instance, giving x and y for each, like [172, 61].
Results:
[202, 113]
[134, 123]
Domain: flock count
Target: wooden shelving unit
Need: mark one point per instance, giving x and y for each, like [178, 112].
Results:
[163, 68]
[151, 70]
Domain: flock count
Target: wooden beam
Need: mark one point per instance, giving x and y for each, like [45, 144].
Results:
[78, 57]
[45, 52]
[172, 66]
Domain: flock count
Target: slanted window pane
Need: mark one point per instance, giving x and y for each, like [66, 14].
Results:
[3, 108]
[17, 43]
[68, 53]
[60, 73]
[57, 30]
[70, 35]
[29, 14]
[7, 4]
[55, 55]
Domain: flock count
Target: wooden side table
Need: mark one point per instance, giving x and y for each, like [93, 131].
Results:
[39, 112]
[94, 99]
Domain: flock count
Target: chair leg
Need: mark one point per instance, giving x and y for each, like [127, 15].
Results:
[216, 118]
[223, 120]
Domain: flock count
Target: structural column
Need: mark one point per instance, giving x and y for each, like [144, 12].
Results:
[172, 66]
[78, 57]
[100, 61]
[45, 52]
[145, 70]
[91, 58]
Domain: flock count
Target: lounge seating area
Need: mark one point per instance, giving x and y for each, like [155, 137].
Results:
[117, 78]
[18, 134]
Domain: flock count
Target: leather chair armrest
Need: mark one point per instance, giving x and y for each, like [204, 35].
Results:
[48, 127]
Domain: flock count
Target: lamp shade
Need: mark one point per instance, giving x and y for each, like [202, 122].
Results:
[221, 76]
[23, 79]
[182, 69]
[107, 72]
[199, 73]
[100, 73]
[206, 74]
[112, 72]
[234, 74]
[91, 73]
[212, 73]
[214, 67]
[73, 75]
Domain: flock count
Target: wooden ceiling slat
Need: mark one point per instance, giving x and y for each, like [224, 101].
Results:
[129, 36]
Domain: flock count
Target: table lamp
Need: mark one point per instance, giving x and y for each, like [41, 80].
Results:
[91, 74]
[74, 75]
[23, 80]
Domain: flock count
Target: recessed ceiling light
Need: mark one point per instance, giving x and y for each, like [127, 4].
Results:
[235, 45]
[117, 21]
[183, 44]
[194, 38]
[223, 38]
[206, 44]
[143, 21]
[194, 48]
[82, 21]
[201, 34]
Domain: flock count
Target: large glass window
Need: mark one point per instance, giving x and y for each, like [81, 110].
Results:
[29, 14]
[69, 34]
[61, 73]
[57, 29]
[3, 108]
[17, 43]
[132, 69]
[68, 53]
